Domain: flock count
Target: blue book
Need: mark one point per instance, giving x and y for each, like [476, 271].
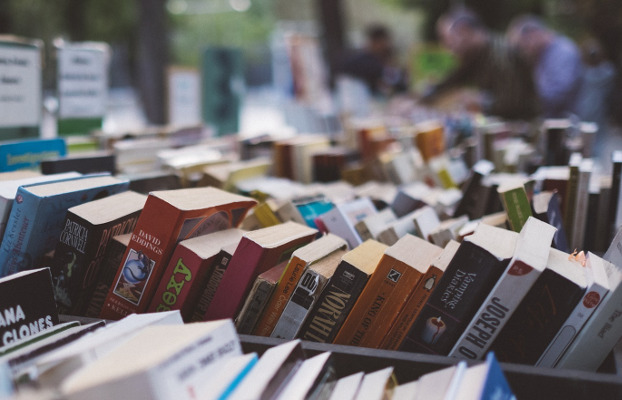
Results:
[29, 153]
[38, 213]
[485, 381]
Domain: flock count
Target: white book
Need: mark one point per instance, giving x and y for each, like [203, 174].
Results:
[347, 387]
[596, 292]
[397, 230]
[341, 219]
[426, 221]
[223, 383]
[59, 364]
[8, 190]
[370, 227]
[158, 363]
[406, 391]
[527, 263]
[582, 197]
[448, 230]
[315, 375]
[434, 386]
[376, 384]
[603, 330]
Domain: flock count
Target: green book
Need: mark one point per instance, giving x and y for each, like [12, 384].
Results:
[516, 204]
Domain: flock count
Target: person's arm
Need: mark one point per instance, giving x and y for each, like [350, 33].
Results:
[559, 78]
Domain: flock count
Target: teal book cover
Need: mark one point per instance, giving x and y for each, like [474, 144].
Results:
[36, 220]
[496, 386]
[29, 153]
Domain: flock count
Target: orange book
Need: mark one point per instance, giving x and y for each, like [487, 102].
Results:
[402, 324]
[401, 268]
[301, 259]
[430, 139]
[169, 217]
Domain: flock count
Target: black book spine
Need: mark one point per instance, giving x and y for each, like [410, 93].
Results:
[107, 272]
[469, 277]
[471, 202]
[614, 198]
[334, 304]
[537, 319]
[211, 284]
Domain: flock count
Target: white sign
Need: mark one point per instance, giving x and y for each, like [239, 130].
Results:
[184, 97]
[20, 85]
[82, 81]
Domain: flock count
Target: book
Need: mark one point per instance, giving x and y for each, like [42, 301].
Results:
[54, 367]
[42, 335]
[29, 153]
[107, 271]
[259, 295]
[186, 273]
[87, 230]
[408, 314]
[596, 291]
[485, 381]
[371, 226]
[582, 196]
[436, 385]
[570, 196]
[602, 331]
[410, 198]
[221, 262]
[516, 204]
[26, 305]
[301, 260]
[169, 217]
[469, 277]
[615, 199]
[19, 174]
[377, 385]
[37, 217]
[271, 373]
[220, 385]
[528, 261]
[399, 271]
[546, 207]
[152, 181]
[341, 219]
[314, 379]
[554, 295]
[347, 387]
[82, 163]
[448, 230]
[343, 290]
[8, 190]
[257, 252]
[406, 391]
[430, 139]
[305, 295]
[176, 369]
[403, 226]
[426, 221]
[473, 192]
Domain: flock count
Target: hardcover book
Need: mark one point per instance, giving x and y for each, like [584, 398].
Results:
[471, 274]
[288, 282]
[400, 270]
[38, 213]
[169, 217]
[87, 230]
[186, 273]
[343, 290]
[29, 153]
[257, 252]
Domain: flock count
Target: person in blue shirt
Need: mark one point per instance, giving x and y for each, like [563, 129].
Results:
[556, 64]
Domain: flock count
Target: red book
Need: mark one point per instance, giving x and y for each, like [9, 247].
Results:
[169, 217]
[187, 270]
[257, 252]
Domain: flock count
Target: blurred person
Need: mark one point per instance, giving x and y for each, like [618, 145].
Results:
[486, 62]
[375, 64]
[556, 65]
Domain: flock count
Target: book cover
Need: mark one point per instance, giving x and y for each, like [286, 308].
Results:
[371, 226]
[37, 217]
[87, 230]
[29, 153]
[426, 221]
[257, 298]
[399, 271]
[27, 305]
[570, 199]
[341, 219]
[485, 381]
[546, 207]
[343, 290]
[471, 274]
[169, 217]
[305, 294]
[528, 262]
[257, 252]
[420, 295]
[186, 273]
[596, 291]
[107, 271]
[540, 315]
[474, 191]
[516, 205]
[314, 379]
[288, 282]
[396, 230]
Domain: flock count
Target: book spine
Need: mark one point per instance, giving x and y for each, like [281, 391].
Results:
[363, 230]
[282, 294]
[144, 260]
[108, 270]
[570, 201]
[537, 319]
[594, 294]
[495, 311]
[334, 304]
[615, 199]
[396, 334]
[14, 256]
[254, 306]
[469, 277]
[213, 280]
[304, 297]
[265, 215]
[517, 207]
[580, 214]
[174, 291]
